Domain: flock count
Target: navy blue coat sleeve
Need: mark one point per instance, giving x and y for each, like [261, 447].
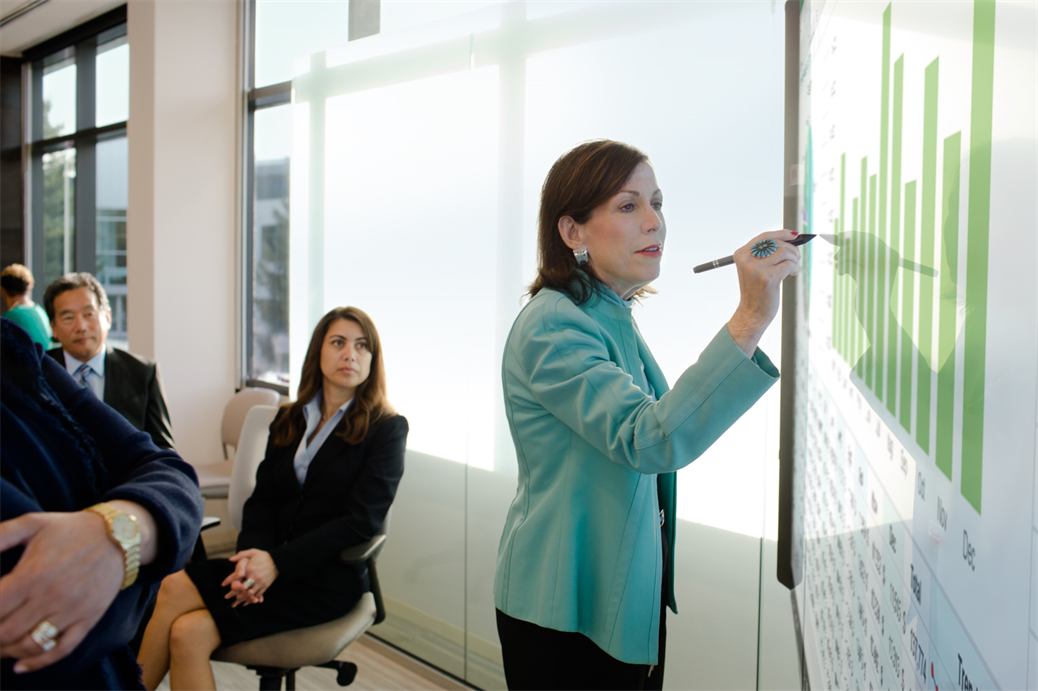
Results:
[116, 627]
[157, 479]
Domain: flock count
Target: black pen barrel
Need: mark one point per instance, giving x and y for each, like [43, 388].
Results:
[718, 263]
[715, 264]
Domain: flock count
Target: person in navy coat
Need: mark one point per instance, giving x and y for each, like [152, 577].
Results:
[92, 516]
[333, 462]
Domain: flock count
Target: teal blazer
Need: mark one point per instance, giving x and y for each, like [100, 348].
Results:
[597, 459]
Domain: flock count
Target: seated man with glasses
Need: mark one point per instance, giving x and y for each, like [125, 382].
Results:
[81, 316]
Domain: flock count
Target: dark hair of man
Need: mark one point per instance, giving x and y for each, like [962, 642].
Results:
[16, 280]
[583, 179]
[73, 282]
[370, 402]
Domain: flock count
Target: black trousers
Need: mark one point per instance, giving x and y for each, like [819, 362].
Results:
[540, 658]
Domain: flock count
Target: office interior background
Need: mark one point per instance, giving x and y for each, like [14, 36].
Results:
[230, 170]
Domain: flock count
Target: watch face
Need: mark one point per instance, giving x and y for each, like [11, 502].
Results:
[124, 527]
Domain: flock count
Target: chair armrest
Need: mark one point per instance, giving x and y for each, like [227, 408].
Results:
[358, 554]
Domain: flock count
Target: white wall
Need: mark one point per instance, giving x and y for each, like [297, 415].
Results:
[181, 226]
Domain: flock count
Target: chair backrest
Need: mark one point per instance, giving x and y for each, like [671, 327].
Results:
[238, 407]
[252, 444]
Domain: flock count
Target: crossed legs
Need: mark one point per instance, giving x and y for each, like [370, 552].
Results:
[179, 638]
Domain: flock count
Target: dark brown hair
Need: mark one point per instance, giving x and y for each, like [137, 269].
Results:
[584, 178]
[16, 280]
[369, 401]
[74, 282]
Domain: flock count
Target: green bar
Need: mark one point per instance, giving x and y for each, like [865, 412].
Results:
[843, 239]
[975, 346]
[870, 296]
[882, 259]
[946, 333]
[836, 312]
[927, 233]
[856, 296]
[907, 296]
[860, 255]
[895, 236]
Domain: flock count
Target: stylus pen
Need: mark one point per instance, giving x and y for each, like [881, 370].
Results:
[718, 263]
[807, 237]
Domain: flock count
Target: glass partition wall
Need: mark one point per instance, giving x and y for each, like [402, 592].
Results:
[400, 172]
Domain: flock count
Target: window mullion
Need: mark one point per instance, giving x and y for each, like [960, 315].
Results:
[86, 156]
[248, 235]
[35, 253]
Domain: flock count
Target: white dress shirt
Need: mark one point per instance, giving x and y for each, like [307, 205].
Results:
[305, 453]
[95, 375]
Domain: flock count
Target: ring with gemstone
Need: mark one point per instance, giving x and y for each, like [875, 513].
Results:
[44, 635]
[763, 248]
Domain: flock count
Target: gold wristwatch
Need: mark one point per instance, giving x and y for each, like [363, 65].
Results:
[123, 531]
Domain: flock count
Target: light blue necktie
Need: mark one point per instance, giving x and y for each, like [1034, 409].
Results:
[81, 376]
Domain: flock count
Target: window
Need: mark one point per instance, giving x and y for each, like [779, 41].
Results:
[283, 36]
[77, 111]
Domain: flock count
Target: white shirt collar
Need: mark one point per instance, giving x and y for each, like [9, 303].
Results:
[308, 448]
[313, 406]
[97, 363]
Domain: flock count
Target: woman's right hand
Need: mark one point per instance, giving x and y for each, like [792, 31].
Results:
[255, 571]
[236, 582]
[760, 279]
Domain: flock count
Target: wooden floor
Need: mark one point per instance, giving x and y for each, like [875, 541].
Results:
[380, 667]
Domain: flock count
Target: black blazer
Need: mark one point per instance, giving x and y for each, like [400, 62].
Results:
[344, 500]
[133, 387]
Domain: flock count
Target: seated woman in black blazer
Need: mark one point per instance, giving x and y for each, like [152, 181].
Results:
[332, 466]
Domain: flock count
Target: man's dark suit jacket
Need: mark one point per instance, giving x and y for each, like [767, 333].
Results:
[134, 388]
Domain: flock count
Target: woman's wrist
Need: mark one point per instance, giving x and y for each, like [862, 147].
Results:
[745, 333]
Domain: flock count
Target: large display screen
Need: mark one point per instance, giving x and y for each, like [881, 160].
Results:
[915, 483]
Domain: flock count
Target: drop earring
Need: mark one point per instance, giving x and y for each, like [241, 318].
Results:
[581, 256]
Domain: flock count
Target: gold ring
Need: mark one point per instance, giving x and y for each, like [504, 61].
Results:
[44, 635]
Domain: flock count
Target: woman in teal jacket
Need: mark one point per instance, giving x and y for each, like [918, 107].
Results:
[583, 570]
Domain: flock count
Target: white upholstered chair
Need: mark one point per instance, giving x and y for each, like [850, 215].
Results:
[279, 656]
[214, 478]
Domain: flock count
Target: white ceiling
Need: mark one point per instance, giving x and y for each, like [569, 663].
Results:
[46, 21]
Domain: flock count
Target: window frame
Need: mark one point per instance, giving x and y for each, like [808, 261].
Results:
[363, 21]
[269, 96]
[83, 40]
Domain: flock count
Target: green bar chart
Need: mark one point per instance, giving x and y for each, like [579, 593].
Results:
[915, 443]
[894, 317]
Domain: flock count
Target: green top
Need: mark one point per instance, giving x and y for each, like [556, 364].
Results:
[597, 453]
[33, 319]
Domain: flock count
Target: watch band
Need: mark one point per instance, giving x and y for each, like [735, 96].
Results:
[131, 547]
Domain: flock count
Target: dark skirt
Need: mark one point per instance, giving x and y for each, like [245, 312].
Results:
[307, 601]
